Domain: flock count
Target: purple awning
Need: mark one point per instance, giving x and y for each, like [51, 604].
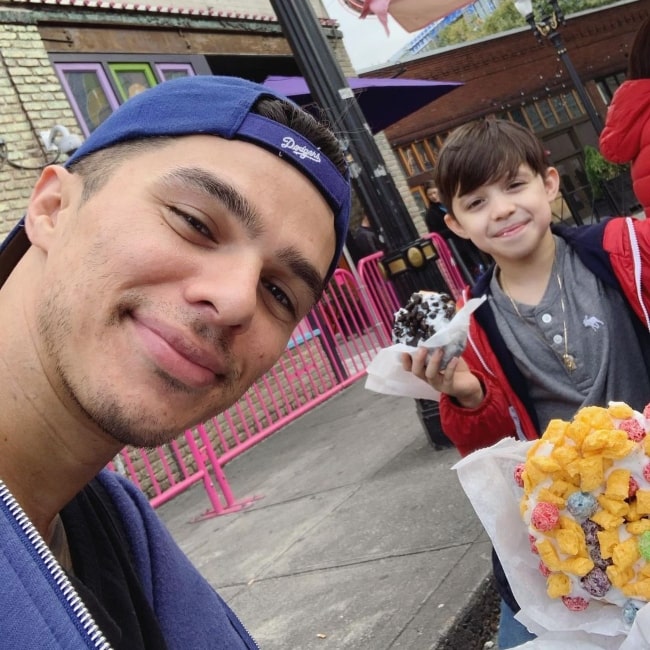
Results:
[382, 101]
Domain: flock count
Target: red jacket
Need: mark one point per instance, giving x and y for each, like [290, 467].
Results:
[615, 250]
[626, 136]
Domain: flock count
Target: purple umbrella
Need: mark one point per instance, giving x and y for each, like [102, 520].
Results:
[382, 101]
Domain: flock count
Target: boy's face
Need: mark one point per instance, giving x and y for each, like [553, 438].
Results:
[167, 293]
[507, 218]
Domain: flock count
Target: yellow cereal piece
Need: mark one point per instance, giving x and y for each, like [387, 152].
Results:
[619, 577]
[558, 585]
[645, 570]
[639, 589]
[555, 430]
[590, 470]
[564, 454]
[578, 566]
[618, 484]
[548, 554]
[626, 553]
[546, 495]
[577, 431]
[620, 410]
[607, 539]
[569, 541]
[596, 417]
[532, 476]
[613, 506]
[611, 443]
[638, 527]
[646, 445]
[643, 502]
[606, 520]
[632, 512]
[563, 475]
[545, 464]
[562, 488]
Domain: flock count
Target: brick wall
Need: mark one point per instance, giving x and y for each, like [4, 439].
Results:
[31, 100]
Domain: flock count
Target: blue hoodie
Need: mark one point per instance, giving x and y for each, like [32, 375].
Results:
[40, 609]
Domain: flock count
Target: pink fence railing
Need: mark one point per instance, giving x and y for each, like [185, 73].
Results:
[330, 349]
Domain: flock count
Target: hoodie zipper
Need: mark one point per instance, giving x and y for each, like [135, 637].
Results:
[83, 620]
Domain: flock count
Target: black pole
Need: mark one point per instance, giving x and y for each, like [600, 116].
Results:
[409, 260]
[556, 39]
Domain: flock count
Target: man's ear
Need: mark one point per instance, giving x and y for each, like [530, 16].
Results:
[48, 197]
[454, 226]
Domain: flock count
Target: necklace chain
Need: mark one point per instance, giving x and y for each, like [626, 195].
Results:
[567, 359]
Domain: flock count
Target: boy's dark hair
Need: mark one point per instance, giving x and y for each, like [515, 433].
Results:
[483, 152]
[638, 65]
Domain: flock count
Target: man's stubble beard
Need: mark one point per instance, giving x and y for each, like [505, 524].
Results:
[122, 422]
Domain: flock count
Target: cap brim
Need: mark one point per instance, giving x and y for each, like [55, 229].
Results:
[12, 248]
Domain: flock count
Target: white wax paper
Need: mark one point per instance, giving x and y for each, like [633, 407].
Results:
[487, 476]
[386, 375]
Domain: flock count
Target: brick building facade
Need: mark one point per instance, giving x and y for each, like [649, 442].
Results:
[511, 76]
[42, 44]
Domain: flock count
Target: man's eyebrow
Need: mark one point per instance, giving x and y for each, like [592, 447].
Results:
[302, 268]
[234, 201]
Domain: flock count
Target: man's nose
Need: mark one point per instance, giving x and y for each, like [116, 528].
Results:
[228, 289]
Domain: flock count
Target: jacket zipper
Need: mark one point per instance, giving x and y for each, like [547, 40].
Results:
[84, 621]
[636, 258]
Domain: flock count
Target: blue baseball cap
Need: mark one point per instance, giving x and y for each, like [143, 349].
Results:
[211, 105]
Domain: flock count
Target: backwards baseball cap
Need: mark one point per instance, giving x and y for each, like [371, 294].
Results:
[212, 105]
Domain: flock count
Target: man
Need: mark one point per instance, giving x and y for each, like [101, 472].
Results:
[145, 290]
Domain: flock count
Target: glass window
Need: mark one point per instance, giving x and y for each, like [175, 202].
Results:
[560, 109]
[422, 156]
[89, 91]
[132, 78]
[533, 117]
[573, 105]
[548, 116]
[167, 71]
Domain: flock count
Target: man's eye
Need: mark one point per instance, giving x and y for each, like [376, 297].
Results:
[192, 222]
[280, 297]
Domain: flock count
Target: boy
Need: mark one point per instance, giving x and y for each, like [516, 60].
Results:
[566, 321]
[146, 289]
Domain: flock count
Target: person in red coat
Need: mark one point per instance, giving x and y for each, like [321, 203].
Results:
[626, 136]
[566, 320]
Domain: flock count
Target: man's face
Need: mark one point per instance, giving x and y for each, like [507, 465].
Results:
[175, 286]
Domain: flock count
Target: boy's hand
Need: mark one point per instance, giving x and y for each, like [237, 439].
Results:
[455, 380]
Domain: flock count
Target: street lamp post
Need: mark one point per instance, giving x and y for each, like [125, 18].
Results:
[548, 27]
[409, 260]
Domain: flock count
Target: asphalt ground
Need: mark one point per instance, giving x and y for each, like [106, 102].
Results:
[358, 535]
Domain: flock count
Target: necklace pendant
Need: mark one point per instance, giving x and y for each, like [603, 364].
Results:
[569, 362]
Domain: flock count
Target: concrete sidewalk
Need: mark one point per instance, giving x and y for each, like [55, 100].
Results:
[362, 537]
